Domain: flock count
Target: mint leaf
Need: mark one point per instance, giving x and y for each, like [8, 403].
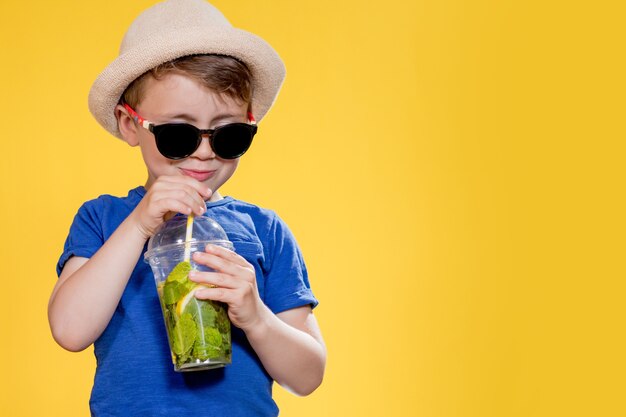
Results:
[208, 345]
[222, 322]
[203, 313]
[202, 331]
[212, 336]
[173, 291]
[177, 284]
[180, 273]
[170, 318]
[184, 335]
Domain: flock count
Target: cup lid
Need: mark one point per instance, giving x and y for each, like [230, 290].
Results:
[173, 232]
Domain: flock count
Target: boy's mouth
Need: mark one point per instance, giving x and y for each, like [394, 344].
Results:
[197, 174]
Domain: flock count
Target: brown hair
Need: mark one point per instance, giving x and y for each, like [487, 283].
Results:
[220, 73]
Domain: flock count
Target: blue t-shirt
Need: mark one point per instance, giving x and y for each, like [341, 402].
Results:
[134, 374]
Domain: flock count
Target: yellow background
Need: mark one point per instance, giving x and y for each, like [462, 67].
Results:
[453, 171]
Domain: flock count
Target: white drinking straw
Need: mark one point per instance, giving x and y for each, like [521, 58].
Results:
[188, 237]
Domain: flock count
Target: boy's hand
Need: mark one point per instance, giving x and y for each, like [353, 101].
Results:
[167, 196]
[235, 285]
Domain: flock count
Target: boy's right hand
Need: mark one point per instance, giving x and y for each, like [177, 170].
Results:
[169, 195]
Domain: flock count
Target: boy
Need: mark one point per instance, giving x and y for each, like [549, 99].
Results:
[186, 89]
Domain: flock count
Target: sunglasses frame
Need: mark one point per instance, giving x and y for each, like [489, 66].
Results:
[154, 129]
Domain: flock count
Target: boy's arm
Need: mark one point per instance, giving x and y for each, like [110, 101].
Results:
[291, 348]
[289, 344]
[88, 290]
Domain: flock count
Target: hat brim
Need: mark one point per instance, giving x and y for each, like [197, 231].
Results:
[268, 70]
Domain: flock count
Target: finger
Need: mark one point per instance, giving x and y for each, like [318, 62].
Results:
[215, 294]
[189, 197]
[213, 279]
[173, 198]
[168, 187]
[218, 263]
[175, 206]
[233, 297]
[190, 185]
[193, 183]
[227, 254]
[227, 266]
[160, 204]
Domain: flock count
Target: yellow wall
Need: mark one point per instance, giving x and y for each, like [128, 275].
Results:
[453, 171]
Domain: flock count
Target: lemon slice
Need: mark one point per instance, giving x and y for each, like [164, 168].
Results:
[180, 307]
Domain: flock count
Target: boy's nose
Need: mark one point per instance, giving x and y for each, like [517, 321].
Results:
[204, 151]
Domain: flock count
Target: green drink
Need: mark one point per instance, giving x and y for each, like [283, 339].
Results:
[198, 331]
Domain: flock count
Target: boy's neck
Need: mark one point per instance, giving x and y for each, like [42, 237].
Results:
[216, 196]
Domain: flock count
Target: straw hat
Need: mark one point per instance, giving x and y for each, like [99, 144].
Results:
[176, 28]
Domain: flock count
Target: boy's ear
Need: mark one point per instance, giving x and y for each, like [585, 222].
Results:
[127, 126]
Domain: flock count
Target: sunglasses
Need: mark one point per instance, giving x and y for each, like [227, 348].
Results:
[181, 140]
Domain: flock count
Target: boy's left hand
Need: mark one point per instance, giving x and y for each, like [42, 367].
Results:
[235, 284]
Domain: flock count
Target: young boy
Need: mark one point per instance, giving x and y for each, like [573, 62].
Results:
[186, 89]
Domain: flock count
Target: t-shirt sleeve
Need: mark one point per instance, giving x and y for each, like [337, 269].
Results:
[287, 282]
[85, 236]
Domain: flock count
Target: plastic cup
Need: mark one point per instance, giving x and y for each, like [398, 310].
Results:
[198, 331]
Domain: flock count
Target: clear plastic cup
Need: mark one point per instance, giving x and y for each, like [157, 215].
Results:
[198, 330]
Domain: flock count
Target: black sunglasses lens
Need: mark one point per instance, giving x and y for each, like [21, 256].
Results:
[176, 141]
[233, 140]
